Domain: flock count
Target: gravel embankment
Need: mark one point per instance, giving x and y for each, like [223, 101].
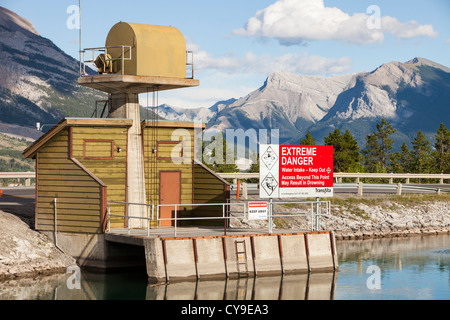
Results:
[25, 252]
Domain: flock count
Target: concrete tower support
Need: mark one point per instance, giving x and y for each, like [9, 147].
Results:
[126, 106]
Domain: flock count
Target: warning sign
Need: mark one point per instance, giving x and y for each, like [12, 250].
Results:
[269, 158]
[257, 211]
[301, 171]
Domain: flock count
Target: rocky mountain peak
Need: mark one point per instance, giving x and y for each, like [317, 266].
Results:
[418, 61]
[14, 22]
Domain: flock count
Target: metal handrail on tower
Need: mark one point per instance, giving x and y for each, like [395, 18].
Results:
[100, 56]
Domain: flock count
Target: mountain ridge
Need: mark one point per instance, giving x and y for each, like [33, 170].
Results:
[400, 92]
[38, 83]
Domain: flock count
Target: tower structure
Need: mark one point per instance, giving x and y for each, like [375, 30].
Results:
[136, 59]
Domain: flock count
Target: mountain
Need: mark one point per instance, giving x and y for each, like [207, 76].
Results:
[413, 96]
[288, 102]
[38, 81]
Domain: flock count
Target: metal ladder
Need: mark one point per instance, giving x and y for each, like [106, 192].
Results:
[241, 257]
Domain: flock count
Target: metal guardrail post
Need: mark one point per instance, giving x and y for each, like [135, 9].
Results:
[128, 218]
[109, 216]
[317, 214]
[148, 220]
[270, 215]
[360, 189]
[176, 221]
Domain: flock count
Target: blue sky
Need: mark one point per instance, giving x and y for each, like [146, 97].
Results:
[237, 44]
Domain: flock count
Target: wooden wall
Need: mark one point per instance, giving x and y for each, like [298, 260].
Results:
[209, 188]
[97, 148]
[79, 196]
[161, 160]
[84, 167]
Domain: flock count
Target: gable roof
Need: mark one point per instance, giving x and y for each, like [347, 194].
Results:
[30, 152]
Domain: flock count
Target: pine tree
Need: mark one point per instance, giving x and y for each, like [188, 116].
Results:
[442, 153]
[346, 151]
[215, 155]
[378, 147]
[371, 153]
[401, 162]
[422, 160]
[308, 140]
[384, 130]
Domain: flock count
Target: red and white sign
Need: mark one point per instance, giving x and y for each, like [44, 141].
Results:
[257, 210]
[296, 171]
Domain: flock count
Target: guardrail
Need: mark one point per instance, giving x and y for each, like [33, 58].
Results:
[340, 175]
[19, 175]
[336, 175]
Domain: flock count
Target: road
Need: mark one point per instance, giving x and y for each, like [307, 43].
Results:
[17, 195]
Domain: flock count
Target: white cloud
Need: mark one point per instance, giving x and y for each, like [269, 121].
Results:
[265, 64]
[447, 41]
[299, 21]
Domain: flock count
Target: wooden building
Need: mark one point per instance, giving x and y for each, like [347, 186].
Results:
[81, 172]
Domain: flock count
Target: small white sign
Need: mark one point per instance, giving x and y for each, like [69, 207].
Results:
[257, 210]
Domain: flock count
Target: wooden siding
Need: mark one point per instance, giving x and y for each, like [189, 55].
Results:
[79, 196]
[155, 163]
[105, 162]
[209, 188]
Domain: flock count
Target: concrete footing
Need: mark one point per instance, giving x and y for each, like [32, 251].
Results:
[180, 259]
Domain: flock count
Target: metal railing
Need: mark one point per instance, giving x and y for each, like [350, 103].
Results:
[127, 205]
[356, 176]
[226, 214]
[190, 64]
[104, 50]
[17, 175]
[316, 211]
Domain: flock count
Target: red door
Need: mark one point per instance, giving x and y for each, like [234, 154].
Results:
[169, 193]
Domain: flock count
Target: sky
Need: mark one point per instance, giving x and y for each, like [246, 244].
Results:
[237, 44]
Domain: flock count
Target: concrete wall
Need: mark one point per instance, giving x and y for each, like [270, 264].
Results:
[175, 259]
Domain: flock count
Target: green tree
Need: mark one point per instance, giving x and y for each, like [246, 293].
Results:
[422, 160]
[215, 155]
[379, 147]
[442, 153]
[346, 151]
[401, 162]
[370, 153]
[308, 140]
[254, 167]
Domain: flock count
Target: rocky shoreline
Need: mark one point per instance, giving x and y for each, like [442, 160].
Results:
[27, 253]
[369, 218]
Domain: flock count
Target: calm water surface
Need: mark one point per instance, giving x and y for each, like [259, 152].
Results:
[416, 268]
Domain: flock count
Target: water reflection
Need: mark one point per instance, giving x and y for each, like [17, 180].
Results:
[320, 286]
[411, 268]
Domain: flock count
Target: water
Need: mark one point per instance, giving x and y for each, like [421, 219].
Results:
[416, 268]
